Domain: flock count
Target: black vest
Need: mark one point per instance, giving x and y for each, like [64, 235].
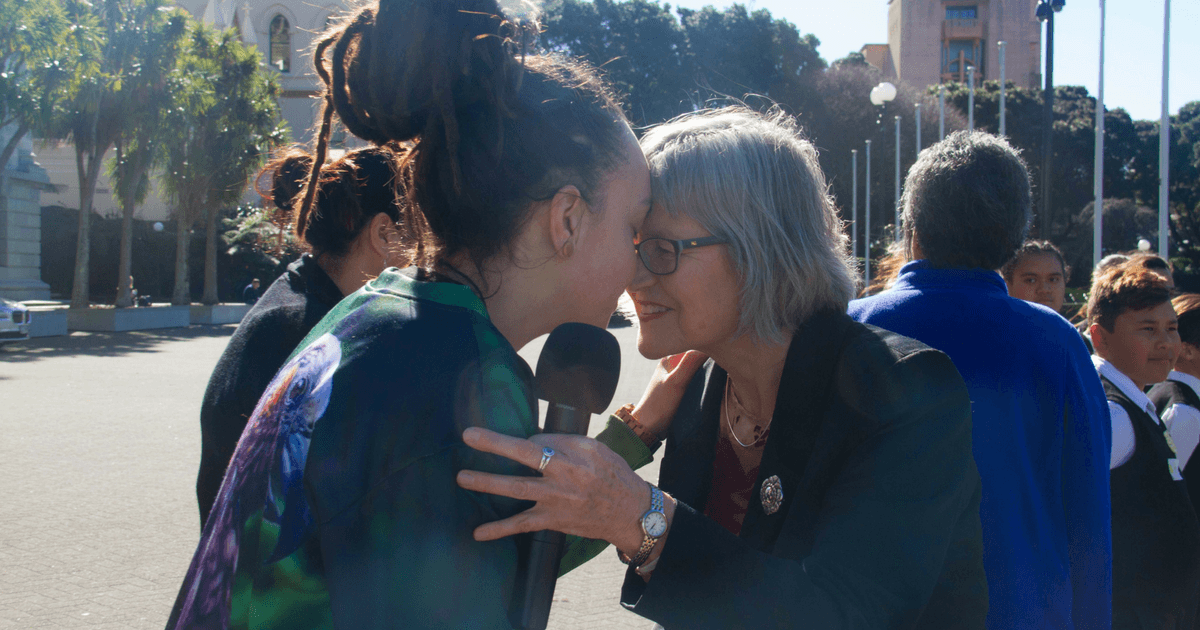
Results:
[1155, 533]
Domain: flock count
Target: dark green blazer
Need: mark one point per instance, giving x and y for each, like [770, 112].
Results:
[878, 526]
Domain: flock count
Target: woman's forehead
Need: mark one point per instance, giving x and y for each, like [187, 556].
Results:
[671, 225]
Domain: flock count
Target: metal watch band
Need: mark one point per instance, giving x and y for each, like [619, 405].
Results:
[648, 542]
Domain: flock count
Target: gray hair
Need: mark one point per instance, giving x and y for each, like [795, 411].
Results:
[967, 202]
[753, 180]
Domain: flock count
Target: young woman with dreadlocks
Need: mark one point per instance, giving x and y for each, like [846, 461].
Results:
[525, 189]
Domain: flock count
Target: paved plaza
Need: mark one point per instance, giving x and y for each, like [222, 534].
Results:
[98, 460]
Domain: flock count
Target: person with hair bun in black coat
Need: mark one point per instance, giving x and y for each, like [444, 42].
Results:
[352, 234]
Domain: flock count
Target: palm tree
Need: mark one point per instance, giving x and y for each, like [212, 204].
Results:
[225, 120]
[99, 108]
[139, 147]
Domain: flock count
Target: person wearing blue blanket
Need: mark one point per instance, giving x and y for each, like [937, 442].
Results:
[1040, 423]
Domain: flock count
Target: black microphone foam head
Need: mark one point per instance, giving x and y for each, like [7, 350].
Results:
[579, 367]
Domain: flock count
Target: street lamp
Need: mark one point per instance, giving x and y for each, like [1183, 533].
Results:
[881, 95]
[1045, 13]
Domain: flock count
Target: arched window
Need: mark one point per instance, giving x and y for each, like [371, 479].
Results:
[280, 50]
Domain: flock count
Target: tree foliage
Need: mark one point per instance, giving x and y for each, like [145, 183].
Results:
[38, 48]
[666, 63]
[225, 118]
[101, 103]
[156, 45]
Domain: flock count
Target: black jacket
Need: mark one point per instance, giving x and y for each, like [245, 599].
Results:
[879, 523]
[268, 334]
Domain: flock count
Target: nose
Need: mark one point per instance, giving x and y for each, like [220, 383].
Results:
[642, 278]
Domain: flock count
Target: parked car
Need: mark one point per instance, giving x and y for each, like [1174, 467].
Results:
[14, 321]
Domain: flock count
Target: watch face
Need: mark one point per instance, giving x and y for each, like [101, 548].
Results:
[654, 524]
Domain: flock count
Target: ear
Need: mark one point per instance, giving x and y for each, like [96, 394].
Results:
[381, 237]
[1188, 352]
[1099, 339]
[567, 209]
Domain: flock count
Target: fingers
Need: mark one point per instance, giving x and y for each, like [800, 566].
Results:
[517, 449]
[688, 363]
[517, 524]
[520, 488]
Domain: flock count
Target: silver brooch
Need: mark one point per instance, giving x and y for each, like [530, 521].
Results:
[772, 494]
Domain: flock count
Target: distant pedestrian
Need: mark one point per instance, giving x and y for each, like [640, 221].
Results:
[250, 293]
[1039, 422]
[353, 236]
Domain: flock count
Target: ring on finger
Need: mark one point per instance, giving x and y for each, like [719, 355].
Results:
[547, 453]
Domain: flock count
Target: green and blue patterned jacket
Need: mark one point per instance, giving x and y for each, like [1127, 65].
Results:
[340, 507]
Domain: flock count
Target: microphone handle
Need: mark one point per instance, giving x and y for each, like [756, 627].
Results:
[546, 547]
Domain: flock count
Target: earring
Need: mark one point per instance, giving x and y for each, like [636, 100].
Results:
[567, 250]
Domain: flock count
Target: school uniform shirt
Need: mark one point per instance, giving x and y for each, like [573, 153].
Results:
[340, 506]
[1124, 442]
[1040, 437]
[1181, 413]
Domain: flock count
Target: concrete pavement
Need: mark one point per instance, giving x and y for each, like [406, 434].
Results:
[98, 460]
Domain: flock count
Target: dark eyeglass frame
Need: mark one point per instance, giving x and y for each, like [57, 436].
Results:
[679, 245]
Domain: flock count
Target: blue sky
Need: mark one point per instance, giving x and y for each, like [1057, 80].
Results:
[1133, 74]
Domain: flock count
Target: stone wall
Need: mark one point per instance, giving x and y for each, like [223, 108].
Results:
[21, 232]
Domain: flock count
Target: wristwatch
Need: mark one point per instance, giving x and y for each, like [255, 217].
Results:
[654, 525]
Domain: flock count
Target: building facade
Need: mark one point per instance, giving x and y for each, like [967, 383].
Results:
[934, 41]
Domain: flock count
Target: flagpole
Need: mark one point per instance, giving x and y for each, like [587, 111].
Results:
[1004, 88]
[854, 203]
[1098, 169]
[1164, 137]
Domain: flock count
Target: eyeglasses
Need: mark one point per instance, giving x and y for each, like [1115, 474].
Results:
[661, 255]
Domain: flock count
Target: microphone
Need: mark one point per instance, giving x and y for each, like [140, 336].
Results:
[577, 374]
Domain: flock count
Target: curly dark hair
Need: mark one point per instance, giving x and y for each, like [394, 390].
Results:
[1034, 247]
[350, 192]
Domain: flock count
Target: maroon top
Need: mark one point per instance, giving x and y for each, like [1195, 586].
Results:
[735, 466]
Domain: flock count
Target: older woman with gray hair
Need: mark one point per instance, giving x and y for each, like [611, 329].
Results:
[817, 472]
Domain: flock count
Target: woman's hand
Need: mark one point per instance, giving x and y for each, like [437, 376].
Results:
[665, 390]
[585, 490]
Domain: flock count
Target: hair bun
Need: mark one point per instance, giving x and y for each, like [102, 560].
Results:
[288, 177]
[442, 57]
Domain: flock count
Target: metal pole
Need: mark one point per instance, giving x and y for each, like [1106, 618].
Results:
[971, 99]
[867, 224]
[1046, 220]
[917, 115]
[1098, 168]
[854, 203]
[896, 207]
[1164, 138]
[1004, 89]
[941, 112]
